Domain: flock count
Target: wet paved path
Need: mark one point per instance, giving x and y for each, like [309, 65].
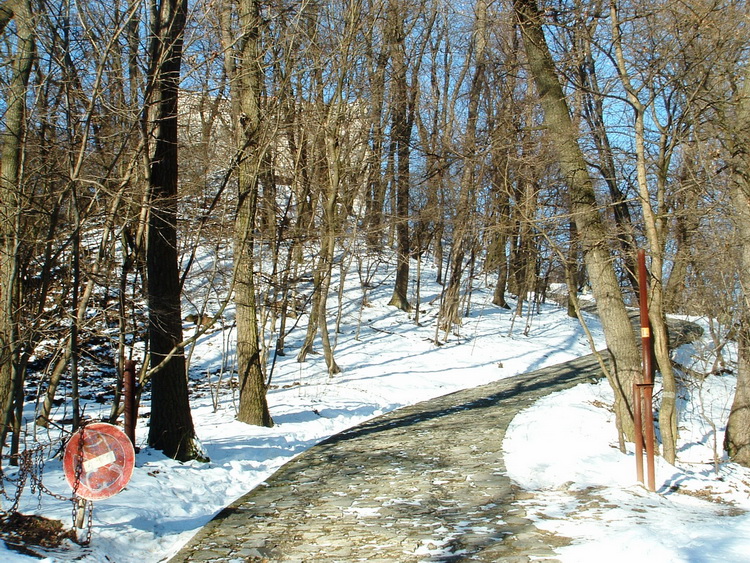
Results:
[423, 483]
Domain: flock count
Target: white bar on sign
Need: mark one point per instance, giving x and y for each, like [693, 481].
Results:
[99, 461]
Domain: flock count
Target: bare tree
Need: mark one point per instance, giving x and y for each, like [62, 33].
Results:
[432, 116]
[246, 80]
[12, 146]
[401, 127]
[463, 226]
[654, 222]
[625, 368]
[591, 105]
[737, 438]
[171, 429]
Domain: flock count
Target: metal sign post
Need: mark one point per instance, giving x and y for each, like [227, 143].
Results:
[129, 391]
[643, 391]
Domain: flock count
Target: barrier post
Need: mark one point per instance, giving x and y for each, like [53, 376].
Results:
[648, 393]
[128, 390]
[643, 400]
[638, 423]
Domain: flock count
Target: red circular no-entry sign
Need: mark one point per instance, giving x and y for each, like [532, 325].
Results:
[98, 461]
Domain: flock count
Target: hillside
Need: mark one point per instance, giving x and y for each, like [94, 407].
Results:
[559, 448]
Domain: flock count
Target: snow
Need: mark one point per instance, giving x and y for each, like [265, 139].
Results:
[562, 449]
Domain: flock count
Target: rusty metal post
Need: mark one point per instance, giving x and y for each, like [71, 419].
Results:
[648, 366]
[638, 420]
[648, 394]
[128, 391]
[644, 402]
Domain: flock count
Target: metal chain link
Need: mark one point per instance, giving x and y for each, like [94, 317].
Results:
[90, 527]
[79, 503]
[79, 460]
[31, 468]
[24, 469]
[84, 508]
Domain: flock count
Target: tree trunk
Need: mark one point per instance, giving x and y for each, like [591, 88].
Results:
[376, 185]
[618, 330]
[654, 227]
[247, 83]
[171, 428]
[328, 148]
[463, 237]
[11, 145]
[687, 220]
[737, 438]
[312, 322]
[330, 202]
[401, 133]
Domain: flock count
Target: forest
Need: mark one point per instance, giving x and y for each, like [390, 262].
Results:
[537, 141]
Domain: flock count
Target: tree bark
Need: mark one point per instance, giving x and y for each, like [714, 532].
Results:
[654, 227]
[463, 237]
[376, 187]
[171, 429]
[737, 437]
[12, 145]
[618, 330]
[247, 83]
[401, 134]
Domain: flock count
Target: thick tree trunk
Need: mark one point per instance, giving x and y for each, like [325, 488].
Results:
[253, 405]
[247, 83]
[611, 307]
[171, 427]
[498, 296]
[737, 438]
[11, 147]
[376, 187]
[401, 134]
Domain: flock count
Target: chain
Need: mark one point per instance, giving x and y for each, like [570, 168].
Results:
[36, 476]
[24, 469]
[37, 472]
[31, 469]
[79, 461]
[3, 479]
[83, 516]
[79, 504]
[90, 527]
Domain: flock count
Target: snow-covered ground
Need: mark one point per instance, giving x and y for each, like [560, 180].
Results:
[564, 444]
